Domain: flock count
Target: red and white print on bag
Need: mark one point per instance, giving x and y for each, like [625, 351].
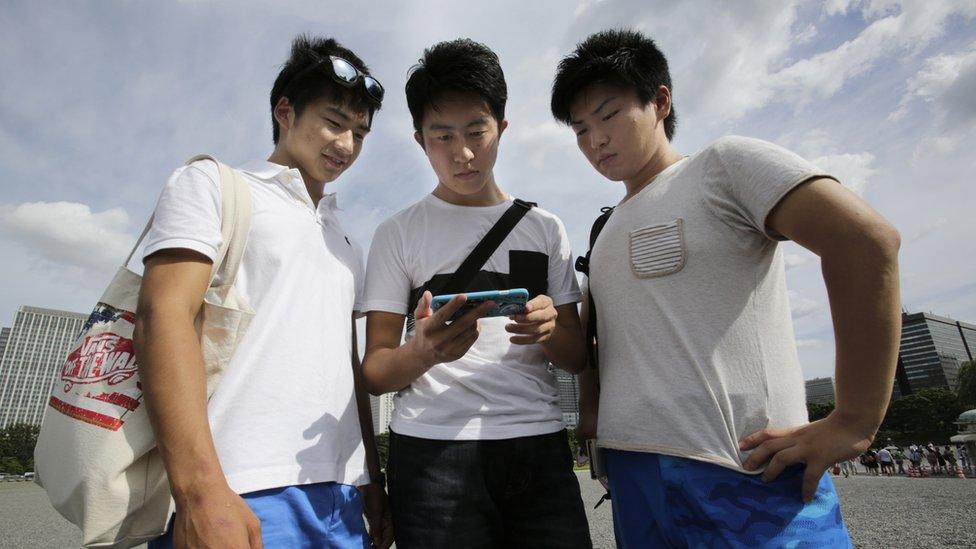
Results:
[99, 384]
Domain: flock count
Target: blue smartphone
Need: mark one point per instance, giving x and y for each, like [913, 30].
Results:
[507, 302]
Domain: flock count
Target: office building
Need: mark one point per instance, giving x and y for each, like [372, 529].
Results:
[820, 390]
[932, 350]
[35, 351]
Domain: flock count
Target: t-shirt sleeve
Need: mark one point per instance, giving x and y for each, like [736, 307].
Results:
[187, 214]
[563, 286]
[746, 178]
[387, 281]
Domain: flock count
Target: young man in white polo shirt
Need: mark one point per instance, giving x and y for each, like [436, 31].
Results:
[700, 384]
[478, 452]
[276, 455]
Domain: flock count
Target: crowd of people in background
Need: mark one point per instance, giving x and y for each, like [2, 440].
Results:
[891, 461]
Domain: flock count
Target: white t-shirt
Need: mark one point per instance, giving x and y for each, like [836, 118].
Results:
[696, 340]
[497, 390]
[284, 412]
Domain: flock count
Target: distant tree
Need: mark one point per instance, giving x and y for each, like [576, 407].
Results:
[967, 385]
[574, 443]
[926, 416]
[383, 448]
[11, 466]
[17, 441]
[819, 411]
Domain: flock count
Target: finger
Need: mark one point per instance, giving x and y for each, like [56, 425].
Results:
[765, 451]
[542, 315]
[780, 461]
[529, 339]
[442, 315]
[757, 438]
[811, 480]
[469, 319]
[423, 306]
[537, 303]
[525, 329]
[254, 534]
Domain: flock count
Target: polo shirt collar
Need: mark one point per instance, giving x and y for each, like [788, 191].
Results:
[262, 169]
[269, 171]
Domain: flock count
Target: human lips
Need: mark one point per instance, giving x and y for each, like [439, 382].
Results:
[605, 158]
[335, 162]
[468, 174]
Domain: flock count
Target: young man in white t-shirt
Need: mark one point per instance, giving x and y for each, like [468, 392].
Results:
[478, 452]
[276, 455]
[700, 388]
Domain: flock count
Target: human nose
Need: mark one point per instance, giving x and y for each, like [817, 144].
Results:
[463, 153]
[598, 138]
[344, 143]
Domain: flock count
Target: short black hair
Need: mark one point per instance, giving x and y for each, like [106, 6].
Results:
[305, 78]
[621, 57]
[458, 66]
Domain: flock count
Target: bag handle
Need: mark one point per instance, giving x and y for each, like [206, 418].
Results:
[235, 223]
[483, 250]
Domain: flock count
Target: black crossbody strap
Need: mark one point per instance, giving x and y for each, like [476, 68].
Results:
[583, 266]
[480, 254]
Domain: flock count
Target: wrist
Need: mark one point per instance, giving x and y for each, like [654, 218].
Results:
[188, 492]
[416, 356]
[861, 423]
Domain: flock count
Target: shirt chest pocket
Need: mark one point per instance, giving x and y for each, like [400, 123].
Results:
[657, 250]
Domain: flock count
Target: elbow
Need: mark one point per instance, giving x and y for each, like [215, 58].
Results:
[372, 385]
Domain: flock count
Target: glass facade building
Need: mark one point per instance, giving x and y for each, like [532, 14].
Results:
[820, 390]
[36, 348]
[932, 350]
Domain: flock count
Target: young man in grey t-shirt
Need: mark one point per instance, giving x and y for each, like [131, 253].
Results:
[701, 397]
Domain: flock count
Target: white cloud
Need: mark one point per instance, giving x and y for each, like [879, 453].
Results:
[806, 35]
[837, 7]
[801, 306]
[793, 261]
[69, 235]
[854, 170]
[806, 343]
[948, 83]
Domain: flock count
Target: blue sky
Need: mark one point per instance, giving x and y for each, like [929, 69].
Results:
[101, 100]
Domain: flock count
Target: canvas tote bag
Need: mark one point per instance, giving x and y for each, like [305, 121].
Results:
[96, 454]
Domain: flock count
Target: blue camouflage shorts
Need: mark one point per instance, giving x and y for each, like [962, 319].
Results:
[665, 501]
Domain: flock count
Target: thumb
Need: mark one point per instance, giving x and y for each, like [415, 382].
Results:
[423, 306]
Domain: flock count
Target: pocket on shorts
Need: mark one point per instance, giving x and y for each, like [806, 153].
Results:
[657, 250]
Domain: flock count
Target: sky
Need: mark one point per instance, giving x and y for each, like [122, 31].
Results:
[101, 100]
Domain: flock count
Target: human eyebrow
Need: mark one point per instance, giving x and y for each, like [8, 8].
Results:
[340, 113]
[480, 121]
[603, 104]
[440, 127]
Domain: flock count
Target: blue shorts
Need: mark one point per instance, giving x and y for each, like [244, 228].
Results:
[665, 501]
[326, 514]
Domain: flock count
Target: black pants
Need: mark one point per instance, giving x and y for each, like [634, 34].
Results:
[519, 492]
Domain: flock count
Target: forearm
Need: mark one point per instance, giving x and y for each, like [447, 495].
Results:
[174, 386]
[863, 289]
[565, 349]
[390, 369]
[366, 421]
[589, 395]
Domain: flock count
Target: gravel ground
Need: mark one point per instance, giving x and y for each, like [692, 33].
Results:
[880, 512]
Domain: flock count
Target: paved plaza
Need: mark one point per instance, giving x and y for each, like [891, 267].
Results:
[880, 512]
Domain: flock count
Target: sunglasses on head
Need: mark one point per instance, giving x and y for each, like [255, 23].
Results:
[346, 74]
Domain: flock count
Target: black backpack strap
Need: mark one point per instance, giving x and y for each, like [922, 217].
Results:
[583, 266]
[480, 254]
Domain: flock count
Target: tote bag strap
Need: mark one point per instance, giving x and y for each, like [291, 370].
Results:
[235, 223]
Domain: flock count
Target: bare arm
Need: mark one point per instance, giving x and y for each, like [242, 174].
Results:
[589, 380]
[557, 329]
[859, 259]
[172, 372]
[389, 366]
[376, 508]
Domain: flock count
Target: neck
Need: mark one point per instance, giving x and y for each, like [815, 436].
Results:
[663, 157]
[489, 195]
[315, 189]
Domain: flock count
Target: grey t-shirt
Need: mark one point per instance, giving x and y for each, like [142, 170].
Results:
[696, 340]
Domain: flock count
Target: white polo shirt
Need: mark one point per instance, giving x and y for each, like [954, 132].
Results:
[284, 412]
